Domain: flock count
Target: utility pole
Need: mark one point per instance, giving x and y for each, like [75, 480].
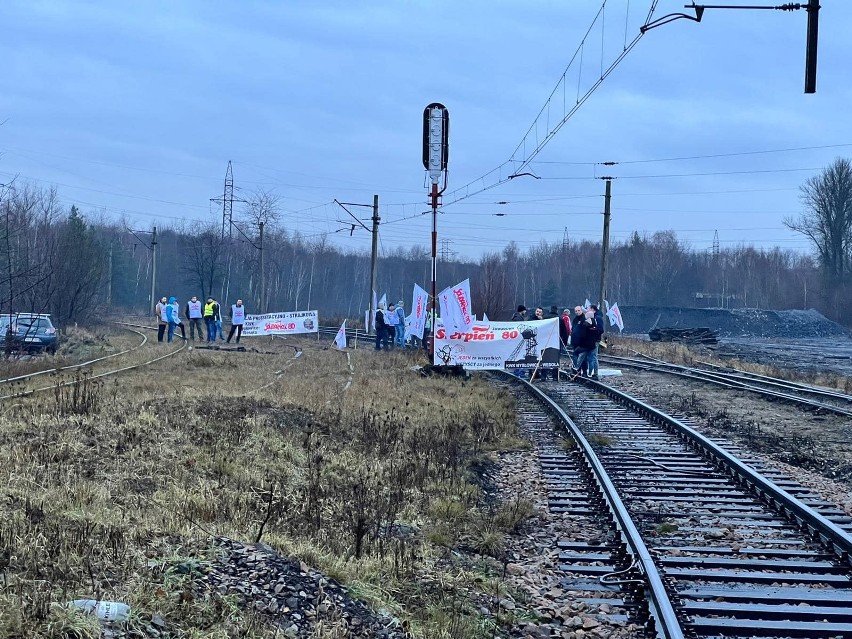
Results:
[262, 304]
[109, 281]
[374, 261]
[153, 268]
[605, 244]
[374, 256]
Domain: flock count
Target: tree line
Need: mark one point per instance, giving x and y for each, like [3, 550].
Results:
[82, 267]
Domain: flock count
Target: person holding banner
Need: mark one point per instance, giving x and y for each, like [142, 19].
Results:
[238, 318]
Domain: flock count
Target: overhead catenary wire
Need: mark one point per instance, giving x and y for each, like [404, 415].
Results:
[521, 157]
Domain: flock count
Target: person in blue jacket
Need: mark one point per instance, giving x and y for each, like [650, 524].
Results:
[171, 318]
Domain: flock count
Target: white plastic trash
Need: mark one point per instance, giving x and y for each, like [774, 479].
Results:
[106, 611]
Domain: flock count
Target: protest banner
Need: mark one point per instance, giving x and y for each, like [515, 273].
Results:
[419, 309]
[500, 345]
[287, 323]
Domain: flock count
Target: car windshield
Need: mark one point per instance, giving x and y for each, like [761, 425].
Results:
[30, 325]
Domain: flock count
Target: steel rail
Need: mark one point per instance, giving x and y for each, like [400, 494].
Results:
[123, 369]
[19, 378]
[833, 536]
[775, 381]
[662, 611]
[720, 380]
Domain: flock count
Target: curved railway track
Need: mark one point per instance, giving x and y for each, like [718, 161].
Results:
[812, 397]
[707, 542]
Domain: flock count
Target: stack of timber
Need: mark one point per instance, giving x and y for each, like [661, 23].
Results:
[685, 335]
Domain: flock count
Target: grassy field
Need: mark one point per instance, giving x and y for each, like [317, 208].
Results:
[111, 487]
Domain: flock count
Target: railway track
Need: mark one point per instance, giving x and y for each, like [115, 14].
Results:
[814, 398]
[705, 541]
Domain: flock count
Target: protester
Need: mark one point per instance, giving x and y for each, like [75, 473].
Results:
[210, 319]
[162, 322]
[392, 322]
[171, 320]
[565, 332]
[194, 313]
[381, 328]
[596, 332]
[539, 313]
[427, 329]
[217, 316]
[579, 330]
[177, 319]
[521, 314]
[554, 312]
[400, 328]
[238, 318]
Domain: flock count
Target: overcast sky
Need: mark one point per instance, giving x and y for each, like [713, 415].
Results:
[135, 109]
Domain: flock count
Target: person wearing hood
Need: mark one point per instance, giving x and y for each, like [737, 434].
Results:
[177, 319]
[171, 319]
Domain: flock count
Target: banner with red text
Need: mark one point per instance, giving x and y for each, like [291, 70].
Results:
[419, 308]
[289, 323]
[500, 345]
[455, 307]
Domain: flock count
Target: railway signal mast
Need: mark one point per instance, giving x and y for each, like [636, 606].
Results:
[436, 149]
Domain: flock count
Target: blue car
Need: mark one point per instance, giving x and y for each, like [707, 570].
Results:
[29, 332]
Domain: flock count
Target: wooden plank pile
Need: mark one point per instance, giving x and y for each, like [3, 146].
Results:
[702, 335]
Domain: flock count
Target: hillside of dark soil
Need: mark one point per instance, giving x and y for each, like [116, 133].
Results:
[746, 322]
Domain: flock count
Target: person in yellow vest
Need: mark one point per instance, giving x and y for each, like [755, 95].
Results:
[162, 320]
[210, 319]
[238, 318]
[194, 313]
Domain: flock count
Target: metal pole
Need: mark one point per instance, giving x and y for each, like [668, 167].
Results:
[262, 304]
[153, 268]
[109, 281]
[605, 246]
[811, 50]
[374, 262]
[434, 266]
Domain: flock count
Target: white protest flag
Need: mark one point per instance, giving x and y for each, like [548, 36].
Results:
[586, 304]
[485, 319]
[384, 301]
[614, 317]
[419, 309]
[367, 320]
[340, 340]
[455, 307]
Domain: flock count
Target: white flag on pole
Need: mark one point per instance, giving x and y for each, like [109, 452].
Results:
[614, 317]
[485, 319]
[587, 304]
[455, 307]
[419, 309]
[340, 340]
[384, 301]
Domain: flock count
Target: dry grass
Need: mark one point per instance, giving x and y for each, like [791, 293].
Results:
[113, 487]
[681, 354]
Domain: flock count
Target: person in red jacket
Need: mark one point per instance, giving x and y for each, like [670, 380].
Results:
[565, 332]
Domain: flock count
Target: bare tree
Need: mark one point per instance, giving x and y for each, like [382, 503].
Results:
[202, 257]
[827, 219]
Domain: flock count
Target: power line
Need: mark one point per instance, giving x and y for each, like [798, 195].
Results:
[536, 139]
